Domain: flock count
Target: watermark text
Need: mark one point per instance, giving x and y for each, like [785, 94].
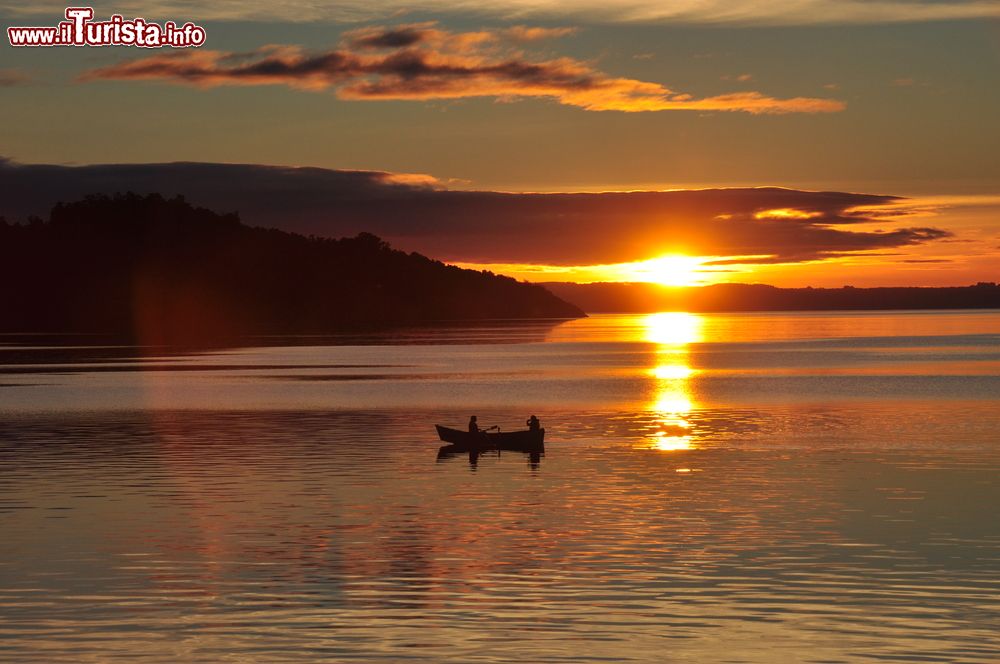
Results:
[79, 29]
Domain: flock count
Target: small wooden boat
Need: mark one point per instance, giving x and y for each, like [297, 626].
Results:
[531, 440]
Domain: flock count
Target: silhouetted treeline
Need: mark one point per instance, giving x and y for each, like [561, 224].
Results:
[641, 297]
[161, 271]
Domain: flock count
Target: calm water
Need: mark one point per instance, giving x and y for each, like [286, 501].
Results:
[739, 488]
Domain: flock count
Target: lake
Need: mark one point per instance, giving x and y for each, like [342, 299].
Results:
[779, 487]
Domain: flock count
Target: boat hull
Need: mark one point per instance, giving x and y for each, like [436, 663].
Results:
[514, 441]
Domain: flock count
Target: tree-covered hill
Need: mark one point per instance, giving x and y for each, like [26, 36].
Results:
[160, 270]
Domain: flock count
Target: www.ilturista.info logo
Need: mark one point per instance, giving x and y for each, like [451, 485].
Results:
[79, 30]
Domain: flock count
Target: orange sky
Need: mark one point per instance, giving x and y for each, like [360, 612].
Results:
[313, 118]
[973, 255]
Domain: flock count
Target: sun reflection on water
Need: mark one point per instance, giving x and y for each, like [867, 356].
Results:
[671, 329]
[672, 399]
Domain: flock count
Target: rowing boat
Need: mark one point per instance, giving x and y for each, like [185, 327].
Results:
[531, 440]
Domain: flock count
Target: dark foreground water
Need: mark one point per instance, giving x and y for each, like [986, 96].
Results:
[754, 488]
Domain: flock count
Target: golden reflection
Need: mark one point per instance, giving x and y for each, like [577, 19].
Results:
[673, 329]
[671, 371]
[673, 404]
[672, 399]
[787, 213]
[672, 407]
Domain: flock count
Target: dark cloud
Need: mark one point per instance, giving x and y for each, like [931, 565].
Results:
[390, 37]
[415, 213]
[421, 62]
[12, 77]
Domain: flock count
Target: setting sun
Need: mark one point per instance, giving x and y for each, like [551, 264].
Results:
[671, 270]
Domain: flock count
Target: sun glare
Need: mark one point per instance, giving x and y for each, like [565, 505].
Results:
[673, 270]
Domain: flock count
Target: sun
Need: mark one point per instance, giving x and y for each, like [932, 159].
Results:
[670, 270]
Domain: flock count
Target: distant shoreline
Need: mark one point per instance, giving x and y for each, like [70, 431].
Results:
[609, 297]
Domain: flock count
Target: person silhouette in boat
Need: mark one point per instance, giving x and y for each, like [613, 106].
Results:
[474, 427]
[533, 423]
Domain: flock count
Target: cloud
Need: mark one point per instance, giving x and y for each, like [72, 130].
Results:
[523, 33]
[423, 62]
[391, 38]
[712, 12]
[11, 77]
[418, 213]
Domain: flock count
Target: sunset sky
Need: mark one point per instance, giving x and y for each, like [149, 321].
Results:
[819, 142]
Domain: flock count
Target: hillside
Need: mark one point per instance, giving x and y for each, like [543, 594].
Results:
[161, 271]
